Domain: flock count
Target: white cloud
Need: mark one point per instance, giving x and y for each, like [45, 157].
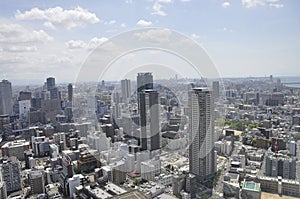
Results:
[94, 42]
[157, 9]
[20, 49]
[123, 25]
[111, 22]
[79, 44]
[15, 38]
[144, 23]
[253, 3]
[75, 44]
[226, 4]
[57, 17]
[154, 35]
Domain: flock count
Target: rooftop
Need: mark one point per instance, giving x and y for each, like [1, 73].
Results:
[251, 186]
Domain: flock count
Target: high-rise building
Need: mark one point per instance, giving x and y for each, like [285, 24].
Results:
[125, 89]
[5, 126]
[37, 182]
[201, 134]
[144, 81]
[216, 89]
[11, 174]
[50, 83]
[149, 120]
[24, 95]
[54, 93]
[70, 92]
[5, 98]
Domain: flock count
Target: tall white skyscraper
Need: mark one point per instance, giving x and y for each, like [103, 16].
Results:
[125, 89]
[5, 98]
[149, 120]
[201, 134]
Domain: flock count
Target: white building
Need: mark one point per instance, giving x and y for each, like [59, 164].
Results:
[74, 182]
[24, 108]
[201, 134]
[292, 148]
[129, 162]
[149, 169]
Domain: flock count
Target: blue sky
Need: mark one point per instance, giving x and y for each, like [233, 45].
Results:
[242, 37]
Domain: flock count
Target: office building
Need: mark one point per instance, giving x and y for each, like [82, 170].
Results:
[50, 82]
[125, 89]
[201, 134]
[36, 181]
[5, 126]
[144, 81]
[15, 148]
[149, 120]
[70, 92]
[24, 95]
[216, 89]
[88, 161]
[5, 98]
[24, 109]
[251, 190]
[11, 174]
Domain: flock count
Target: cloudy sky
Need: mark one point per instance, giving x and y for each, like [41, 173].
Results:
[54, 38]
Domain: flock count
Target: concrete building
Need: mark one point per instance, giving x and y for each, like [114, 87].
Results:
[50, 83]
[5, 126]
[36, 181]
[279, 165]
[11, 174]
[149, 120]
[201, 134]
[118, 172]
[40, 146]
[251, 190]
[216, 89]
[280, 186]
[125, 90]
[15, 148]
[150, 169]
[73, 182]
[70, 92]
[24, 109]
[5, 98]
[144, 82]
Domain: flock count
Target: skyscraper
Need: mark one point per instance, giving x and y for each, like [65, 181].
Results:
[216, 89]
[50, 83]
[125, 89]
[149, 120]
[5, 98]
[144, 81]
[201, 134]
[70, 92]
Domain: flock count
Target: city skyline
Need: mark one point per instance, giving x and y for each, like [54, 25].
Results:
[35, 44]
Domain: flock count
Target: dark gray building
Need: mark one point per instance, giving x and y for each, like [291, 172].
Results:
[149, 120]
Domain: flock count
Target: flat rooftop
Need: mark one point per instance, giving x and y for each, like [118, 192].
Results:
[251, 186]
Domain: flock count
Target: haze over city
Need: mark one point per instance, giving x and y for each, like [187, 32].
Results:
[243, 38]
